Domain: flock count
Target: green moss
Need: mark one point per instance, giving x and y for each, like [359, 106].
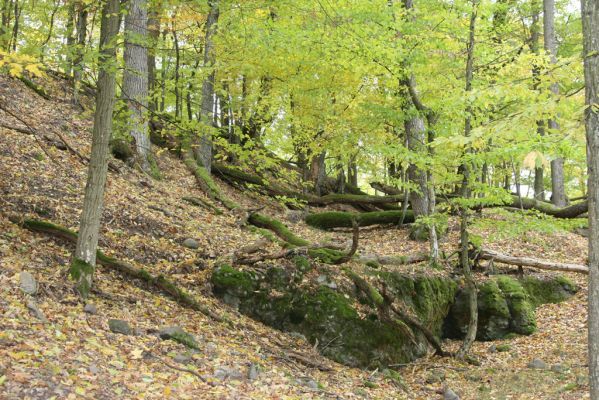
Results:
[185, 339]
[491, 299]
[79, 267]
[326, 256]
[121, 149]
[339, 219]
[373, 264]
[370, 384]
[548, 290]
[262, 221]
[302, 263]
[44, 226]
[503, 347]
[227, 278]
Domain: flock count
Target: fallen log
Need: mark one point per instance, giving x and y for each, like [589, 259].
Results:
[159, 282]
[571, 211]
[494, 256]
[353, 199]
[339, 219]
[373, 259]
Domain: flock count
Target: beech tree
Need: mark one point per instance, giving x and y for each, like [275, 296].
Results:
[135, 83]
[84, 260]
[590, 25]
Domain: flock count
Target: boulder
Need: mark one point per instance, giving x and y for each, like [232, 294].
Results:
[120, 326]
[27, 283]
[191, 243]
[177, 334]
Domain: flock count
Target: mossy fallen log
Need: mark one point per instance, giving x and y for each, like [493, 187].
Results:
[206, 182]
[353, 199]
[262, 221]
[35, 87]
[571, 211]
[159, 282]
[339, 219]
[486, 254]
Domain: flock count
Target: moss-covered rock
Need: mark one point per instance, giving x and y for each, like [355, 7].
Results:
[280, 297]
[506, 306]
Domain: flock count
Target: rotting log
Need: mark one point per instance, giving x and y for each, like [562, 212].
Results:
[375, 260]
[340, 219]
[494, 256]
[159, 282]
[262, 221]
[206, 182]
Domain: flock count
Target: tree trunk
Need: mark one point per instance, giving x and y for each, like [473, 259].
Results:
[558, 192]
[203, 152]
[84, 262]
[464, 236]
[135, 83]
[79, 50]
[416, 133]
[539, 190]
[318, 173]
[590, 27]
[153, 28]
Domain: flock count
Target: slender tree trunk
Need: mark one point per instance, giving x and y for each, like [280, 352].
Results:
[590, 27]
[178, 97]
[84, 262]
[135, 83]
[558, 191]
[15, 28]
[164, 65]
[352, 172]
[464, 237]
[539, 190]
[79, 50]
[416, 134]
[70, 38]
[204, 150]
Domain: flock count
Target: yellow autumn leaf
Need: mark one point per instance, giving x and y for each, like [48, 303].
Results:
[34, 69]
[167, 391]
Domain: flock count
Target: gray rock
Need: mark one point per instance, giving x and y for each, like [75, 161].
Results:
[27, 283]
[90, 308]
[253, 372]
[35, 311]
[449, 394]
[223, 373]
[191, 243]
[295, 216]
[182, 358]
[211, 348]
[120, 326]
[537, 364]
[560, 368]
[492, 349]
[93, 368]
[309, 382]
[177, 334]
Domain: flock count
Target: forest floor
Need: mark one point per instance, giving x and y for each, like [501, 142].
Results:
[75, 355]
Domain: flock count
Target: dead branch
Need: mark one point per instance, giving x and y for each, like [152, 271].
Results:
[486, 254]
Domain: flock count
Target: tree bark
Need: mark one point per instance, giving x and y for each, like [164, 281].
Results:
[135, 82]
[590, 27]
[558, 192]
[82, 268]
[79, 50]
[153, 28]
[203, 151]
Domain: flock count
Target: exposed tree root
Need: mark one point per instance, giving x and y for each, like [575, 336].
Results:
[159, 282]
[494, 256]
[384, 302]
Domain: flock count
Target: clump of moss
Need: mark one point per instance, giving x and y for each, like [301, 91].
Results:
[302, 263]
[548, 290]
[327, 256]
[227, 278]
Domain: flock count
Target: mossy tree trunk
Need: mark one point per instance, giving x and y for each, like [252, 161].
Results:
[82, 268]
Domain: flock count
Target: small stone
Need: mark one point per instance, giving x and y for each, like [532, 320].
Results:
[182, 358]
[322, 279]
[559, 368]
[211, 348]
[223, 373]
[253, 372]
[311, 383]
[90, 308]
[449, 394]
[120, 326]
[435, 376]
[537, 364]
[35, 311]
[191, 243]
[177, 334]
[93, 368]
[332, 285]
[28, 283]
[492, 349]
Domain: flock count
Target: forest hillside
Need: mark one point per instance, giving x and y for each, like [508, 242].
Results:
[171, 316]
